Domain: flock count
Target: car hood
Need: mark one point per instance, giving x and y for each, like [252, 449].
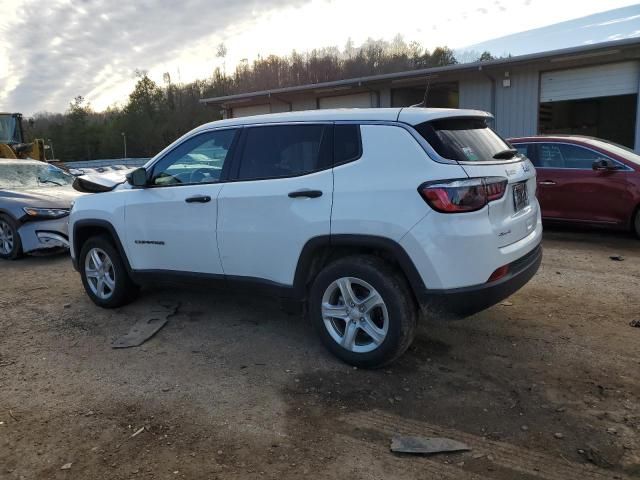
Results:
[100, 182]
[45, 197]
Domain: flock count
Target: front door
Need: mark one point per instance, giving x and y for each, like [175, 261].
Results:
[171, 224]
[280, 198]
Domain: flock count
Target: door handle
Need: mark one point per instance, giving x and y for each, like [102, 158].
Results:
[546, 182]
[306, 193]
[198, 199]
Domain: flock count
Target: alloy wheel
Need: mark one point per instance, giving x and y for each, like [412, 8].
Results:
[355, 315]
[98, 268]
[6, 238]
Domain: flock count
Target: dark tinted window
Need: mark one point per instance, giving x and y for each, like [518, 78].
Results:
[285, 151]
[199, 159]
[463, 139]
[522, 149]
[562, 155]
[347, 143]
[550, 156]
[578, 157]
[528, 150]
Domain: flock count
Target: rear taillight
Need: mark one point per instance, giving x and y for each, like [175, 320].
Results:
[462, 195]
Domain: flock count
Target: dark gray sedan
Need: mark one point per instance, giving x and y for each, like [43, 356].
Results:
[35, 199]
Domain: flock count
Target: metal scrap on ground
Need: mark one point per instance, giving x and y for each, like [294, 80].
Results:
[427, 445]
[141, 331]
[146, 328]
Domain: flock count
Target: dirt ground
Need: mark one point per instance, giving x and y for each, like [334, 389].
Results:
[545, 386]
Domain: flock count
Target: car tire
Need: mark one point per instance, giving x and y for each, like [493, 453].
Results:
[636, 223]
[365, 332]
[10, 242]
[104, 275]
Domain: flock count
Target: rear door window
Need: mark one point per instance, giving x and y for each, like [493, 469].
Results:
[278, 151]
[463, 139]
[529, 151]
[550, 156]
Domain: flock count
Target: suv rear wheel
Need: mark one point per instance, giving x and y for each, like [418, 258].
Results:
[636, 223]
[104, 276]
[363, 311]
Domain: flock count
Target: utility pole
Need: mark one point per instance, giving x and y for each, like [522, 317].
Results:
[124, 140]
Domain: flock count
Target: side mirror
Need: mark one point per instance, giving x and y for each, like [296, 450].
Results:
[138, 177]
[602, 164]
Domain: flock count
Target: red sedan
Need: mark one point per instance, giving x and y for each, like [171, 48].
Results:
[583, 180]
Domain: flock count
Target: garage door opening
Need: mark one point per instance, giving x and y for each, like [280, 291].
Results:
[611, 118]
[441, 95]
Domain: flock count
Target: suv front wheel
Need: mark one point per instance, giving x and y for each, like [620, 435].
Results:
[363, 311]
[104, 276]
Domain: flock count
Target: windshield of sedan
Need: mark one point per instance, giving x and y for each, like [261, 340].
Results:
[17, 175]
[621, 150]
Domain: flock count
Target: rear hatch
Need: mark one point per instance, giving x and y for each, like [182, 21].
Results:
[482, 153]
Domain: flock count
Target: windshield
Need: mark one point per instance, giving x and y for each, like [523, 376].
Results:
[9, 129]
[620, 150]
[465, 140]
[17, 175]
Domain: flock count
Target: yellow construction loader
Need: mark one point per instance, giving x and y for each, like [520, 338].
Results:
[12, 144]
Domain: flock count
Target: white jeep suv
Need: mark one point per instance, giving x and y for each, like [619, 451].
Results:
[366, 216]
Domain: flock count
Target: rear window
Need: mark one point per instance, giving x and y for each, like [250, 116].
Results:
[463, 139]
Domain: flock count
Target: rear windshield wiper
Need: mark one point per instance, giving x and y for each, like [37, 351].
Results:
[506, 154]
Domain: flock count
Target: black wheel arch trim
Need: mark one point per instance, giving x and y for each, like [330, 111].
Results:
[102, 224]
[309, 255]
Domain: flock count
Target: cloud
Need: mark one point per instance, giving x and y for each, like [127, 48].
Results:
[59, 49]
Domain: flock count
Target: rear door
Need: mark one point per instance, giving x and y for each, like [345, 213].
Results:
[280, 197]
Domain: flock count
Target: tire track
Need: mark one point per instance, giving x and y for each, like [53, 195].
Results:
[527, 462]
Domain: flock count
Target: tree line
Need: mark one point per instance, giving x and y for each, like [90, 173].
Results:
[154, 115]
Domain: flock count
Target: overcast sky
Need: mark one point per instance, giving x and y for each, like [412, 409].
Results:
[54, 50]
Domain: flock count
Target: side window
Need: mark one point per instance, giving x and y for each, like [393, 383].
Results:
[550, 156]
[529, 151]
[347, 143]
[522, 149]
[284, 151]
[199, 159]
[578, 157]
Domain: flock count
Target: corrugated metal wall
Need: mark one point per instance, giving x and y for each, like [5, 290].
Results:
[475, 92]
[516, 106]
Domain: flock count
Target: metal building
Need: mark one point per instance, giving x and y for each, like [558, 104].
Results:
[588, 90]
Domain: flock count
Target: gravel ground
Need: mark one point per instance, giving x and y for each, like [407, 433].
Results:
[544, 386]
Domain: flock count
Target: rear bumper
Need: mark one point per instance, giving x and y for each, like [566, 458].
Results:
[462, 302]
